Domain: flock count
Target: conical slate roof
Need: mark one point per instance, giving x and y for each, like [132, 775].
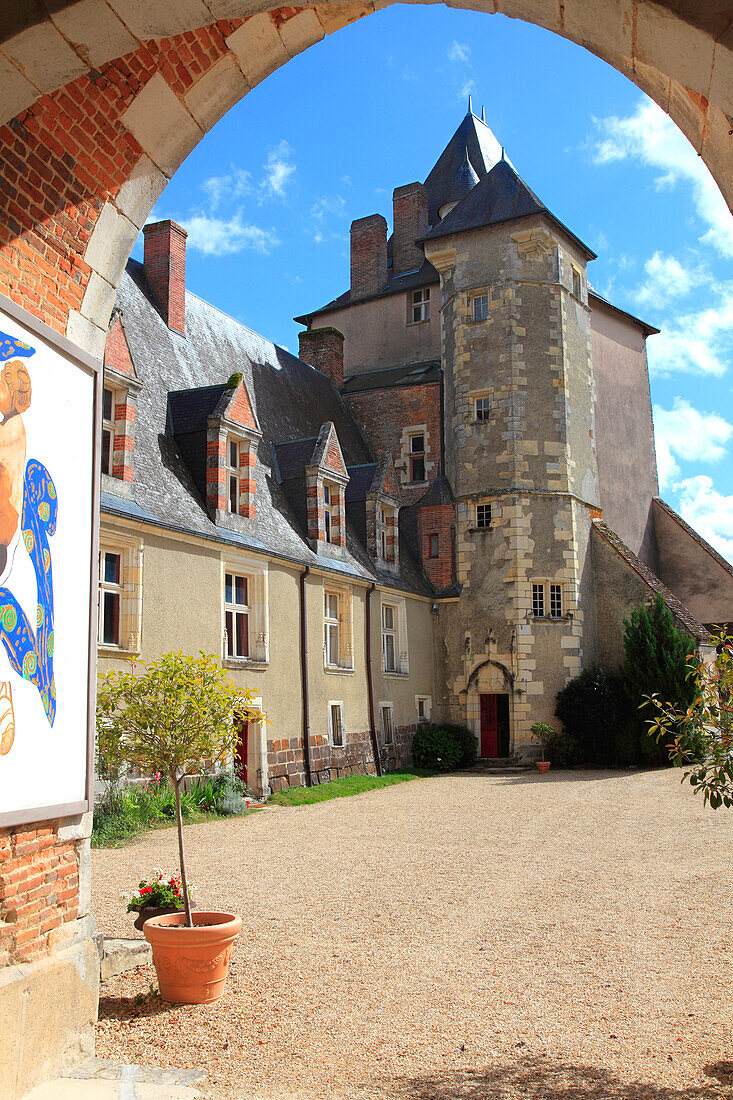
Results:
[473, 140]
[464, 181]
[501, 196]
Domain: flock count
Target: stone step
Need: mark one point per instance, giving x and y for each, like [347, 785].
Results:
[107, 1080]
[116, 956]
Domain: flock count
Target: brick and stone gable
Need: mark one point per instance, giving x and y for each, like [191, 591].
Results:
[327, 454]
[326, 476]
[238, 408]
[117, 357]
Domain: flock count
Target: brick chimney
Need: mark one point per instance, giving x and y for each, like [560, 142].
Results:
[323, 348]
[368, 256]
[165, 269]
[410, 205]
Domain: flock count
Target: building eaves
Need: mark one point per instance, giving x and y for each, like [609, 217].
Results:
[398, 284]
[647, 329]
[722, 562]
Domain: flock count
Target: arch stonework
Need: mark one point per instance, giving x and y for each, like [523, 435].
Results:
[102, 100]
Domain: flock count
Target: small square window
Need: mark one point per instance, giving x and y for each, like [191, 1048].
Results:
[417, 458]
[420, 310]
[481, 307]
[483, 409]
[387, 724]
[483, 515]
[538, 601]
[422, 703]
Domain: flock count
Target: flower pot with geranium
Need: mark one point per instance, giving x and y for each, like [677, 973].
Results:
[180, 716]
[163, 893]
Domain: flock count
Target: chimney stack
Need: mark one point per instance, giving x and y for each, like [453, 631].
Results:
[410, 204]
[368, 256]
[323, 348]
[165, 270]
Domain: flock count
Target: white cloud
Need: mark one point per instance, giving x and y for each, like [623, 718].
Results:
[709, 512]
[220, 237]
[278, 169]
[467, 88]
[234, 185]
[667, 279]
[700, 342]
[649, 136]
[459, 52]
[328, 204]
[685, 433]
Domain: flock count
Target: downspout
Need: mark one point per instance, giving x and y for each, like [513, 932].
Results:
[304, 679]
[370, 681]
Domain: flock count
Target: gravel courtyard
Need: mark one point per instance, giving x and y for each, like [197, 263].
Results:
[461, 937]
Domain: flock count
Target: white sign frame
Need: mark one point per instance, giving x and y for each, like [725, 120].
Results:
[75, 360]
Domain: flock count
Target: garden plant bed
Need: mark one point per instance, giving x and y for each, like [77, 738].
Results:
[468, 936]
[342, 788]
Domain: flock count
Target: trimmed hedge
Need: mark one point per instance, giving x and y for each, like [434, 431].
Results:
[444, 747]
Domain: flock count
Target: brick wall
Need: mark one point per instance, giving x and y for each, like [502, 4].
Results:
[39, 891]
[323, 348]
[287, 768]
[165, 270]
[440, 520]
[410, 209]
[368, 256]
[398, 754]
[384, 415]
[116, 352]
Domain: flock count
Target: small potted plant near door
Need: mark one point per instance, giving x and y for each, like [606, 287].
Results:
[163, 893]
[544, 734]
[179, 716]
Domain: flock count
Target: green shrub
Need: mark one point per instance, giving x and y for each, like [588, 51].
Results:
[557, 745]
[594, 714]
[443, 747]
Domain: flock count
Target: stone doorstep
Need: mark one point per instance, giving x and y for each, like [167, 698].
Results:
[109, 1080]
[116, 956]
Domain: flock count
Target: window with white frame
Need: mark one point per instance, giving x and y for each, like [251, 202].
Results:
[480, 305]
[108, 430]
[336, 725]
[245, 587]
[547, 601]
[329, 504]
[386, 722]
[394, 636]
[110, 598]
[420, 305]
[481, 408]
[233, 473]
[423, 704]
[417, 457]
[337, 649]
[236, 615]
[483, 516]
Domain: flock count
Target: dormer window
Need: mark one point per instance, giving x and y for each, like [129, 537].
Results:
[387, 534]
[330, 499]
[233, 474]
[420, 306]
[108, 430]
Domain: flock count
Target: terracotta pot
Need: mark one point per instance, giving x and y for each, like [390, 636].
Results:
[192, 963]
[543, 766]
[149, 911]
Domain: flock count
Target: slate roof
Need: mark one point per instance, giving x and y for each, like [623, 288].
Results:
[474, 139]
[360, 481]
[189, 410]
[290, 399]
[396, 284]
[439, 493]
[501, 196]
[414, 374]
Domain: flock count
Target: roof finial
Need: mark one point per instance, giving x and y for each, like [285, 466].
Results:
[470, 106]
[502, 153]
[483, 115]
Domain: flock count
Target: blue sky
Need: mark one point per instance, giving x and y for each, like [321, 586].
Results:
[268, 197]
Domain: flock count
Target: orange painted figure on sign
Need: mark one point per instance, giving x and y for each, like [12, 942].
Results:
[15, 398]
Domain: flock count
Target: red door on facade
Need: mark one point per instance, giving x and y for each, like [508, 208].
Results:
[240, 753]
[489, 726]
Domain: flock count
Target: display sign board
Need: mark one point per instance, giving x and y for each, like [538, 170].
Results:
[49, 406]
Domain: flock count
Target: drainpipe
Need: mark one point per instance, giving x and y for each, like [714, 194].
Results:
[304, 679]
[370, 681]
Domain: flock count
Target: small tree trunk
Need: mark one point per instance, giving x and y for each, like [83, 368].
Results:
[184, 883]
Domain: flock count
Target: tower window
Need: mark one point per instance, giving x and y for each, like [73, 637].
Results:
[481, 307]
[483, 515]
[417, 458]
[420, 310]
[483, 409]
[577, 283]
[434, 547]
[538, 601]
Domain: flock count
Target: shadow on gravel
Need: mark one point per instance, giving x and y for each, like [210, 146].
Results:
[130, 1008]
[570, 775]
[539, 1078]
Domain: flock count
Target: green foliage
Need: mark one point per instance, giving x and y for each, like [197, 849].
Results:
[593, 709]
[177, 717]
[443, 747]
[699, 737]
[557, 745]
[234, 380]
[338, 788]
[160, 892]
[655, 662]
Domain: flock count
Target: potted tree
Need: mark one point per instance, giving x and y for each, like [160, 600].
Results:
[178, 716]
[544, 734]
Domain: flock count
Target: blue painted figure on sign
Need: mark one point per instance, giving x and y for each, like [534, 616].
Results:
[28, 506]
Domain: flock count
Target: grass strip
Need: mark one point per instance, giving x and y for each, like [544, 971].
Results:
[343, 788]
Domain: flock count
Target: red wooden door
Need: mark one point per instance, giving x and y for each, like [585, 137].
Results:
[240, 753]
[489, 726]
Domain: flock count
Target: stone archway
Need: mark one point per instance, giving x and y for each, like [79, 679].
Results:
[102, 100]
